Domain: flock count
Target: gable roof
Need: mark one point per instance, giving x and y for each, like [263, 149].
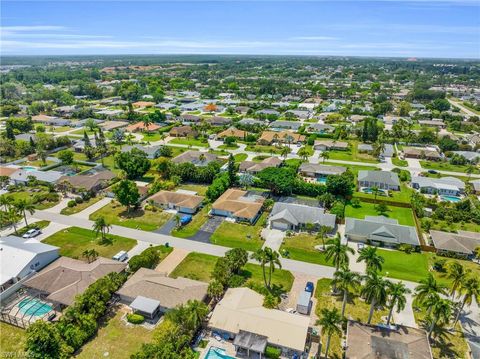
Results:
[321, 169]
[141, 126]
[296, 214]
[269, 136]
[389, 178]
[88, 181]
[233, 132]
[463, 242]
[177, 198]
[194, 157]
[236, 202]
[439, 183]
[45, 176]
[255, 167]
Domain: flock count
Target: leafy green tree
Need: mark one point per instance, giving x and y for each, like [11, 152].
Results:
[374, 292]
[232, 172]
[43, 341]
[66, 156]
[347, 282]
[397, 293]
[236, 258]
[330, 321]
[245, 180]
[215, 290]
[372, 259]
[456, 273]
[126, 192]
[135, 163]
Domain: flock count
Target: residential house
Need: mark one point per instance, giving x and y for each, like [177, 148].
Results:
[319, 128]
[329, 145]
[91, 183]
[242, 109]
[183, 131]
[315, 170]
[140, 126]
[287, 125]
[166, 106]
[21, 176]
[186, 118]
[292, 216]
[109, 113]
[241, 316]
[470, 156]
[143, 104]
[218, 121]
[436, 122]
[380, 230]
[233, 132]
[423, 153]
[461, 244]
[50, 120]
[251, 122]
[239, 205]
[382, 342]
[268, 112]
[450, 186]
[301, 114]
[113, 125]
[476, 186]
[255, 167]
[66, 111]
[151, 151]
[380, 179]
[365, 147]
[198, 158]
[270, 137]
[181, 201]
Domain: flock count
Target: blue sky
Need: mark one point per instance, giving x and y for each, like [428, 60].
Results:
[419, 28]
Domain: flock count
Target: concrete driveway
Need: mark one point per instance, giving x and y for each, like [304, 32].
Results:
[273, 238]
[167, 227]
[206, 231]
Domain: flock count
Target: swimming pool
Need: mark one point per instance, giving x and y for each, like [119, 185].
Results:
[29, 168]
[450, 198]
[217, 353]
[322, 180]
[33, 306]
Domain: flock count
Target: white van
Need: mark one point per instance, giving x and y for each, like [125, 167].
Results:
[120, 256]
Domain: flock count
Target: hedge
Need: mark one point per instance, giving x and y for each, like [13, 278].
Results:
[135, 318]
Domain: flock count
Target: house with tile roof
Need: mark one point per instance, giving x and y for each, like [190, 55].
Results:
[239, 205]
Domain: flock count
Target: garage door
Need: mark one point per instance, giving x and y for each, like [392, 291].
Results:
[280, 225]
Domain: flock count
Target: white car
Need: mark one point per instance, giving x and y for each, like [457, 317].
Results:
[32, 233]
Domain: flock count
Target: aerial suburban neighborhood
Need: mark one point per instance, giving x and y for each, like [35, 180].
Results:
[210, 206]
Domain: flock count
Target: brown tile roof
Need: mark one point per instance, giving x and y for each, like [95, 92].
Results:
[331, 143]
[170, 292]
[66, 277]
[179, 199]
[419, 152]
[234, 201]
[233, 132]
[7, 171]
[140, 104]
[269, 136]
[194, 157]
[111, 125]
[140, 126]
[183, 131]
[255, 167]
[88, 181]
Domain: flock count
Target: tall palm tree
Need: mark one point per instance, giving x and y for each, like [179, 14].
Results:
[441, 311]
[330, 321]
[284, 152]
[146, 122]
[6, 202]
[429, 288]
[322, 232]
[289, 139]
[261, 257]
[215, 290]
[470, 288]
[303, 153]
[372, 260]
[338, 253]
[325, 155]
[101, 226]
[396, 298]
[347, 282]
[374, 292]
[23, 206]
[375, 191]
[197, 312]
[456, 273]
[13, 217]
[273, 261]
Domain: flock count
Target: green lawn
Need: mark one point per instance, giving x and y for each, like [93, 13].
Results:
[238, 235]
[353, 168]
[263, 149]
[12, 341]
[38, 163]
[111, 334]
[398, 162]
[259, 158]
[61, 129]
[301, 247]
[199, 266]
[191, 228]
[200, 189]
[442, 225]
[441, 277]
[352, 154]
[109, 162]
[147, 220]
[73, 241]
[188, 142]
[27, 195]
[412, 267]
[404, 195]
[152, 136]
[227, 147]
[81, 130]
[446, 166]
[80, 206]
[240, 157]
[402, 214]
[39, 225]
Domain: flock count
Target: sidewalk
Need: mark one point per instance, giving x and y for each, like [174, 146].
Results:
[85, 214]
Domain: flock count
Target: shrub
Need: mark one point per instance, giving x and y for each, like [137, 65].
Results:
[79, 200]
[236, 281]
[135, 318]
[272, 353]
[407, 248]
[71, 203]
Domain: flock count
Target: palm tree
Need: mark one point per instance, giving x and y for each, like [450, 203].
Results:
[197, 312]
[372, 260]
[202, 157]
[177, 220]
[325, 155]
[284, 152]
[338, 253]
[396, 298]
[303, 153]
[101, 226]
[374, 292]
[146, 122]
[90, 255]
[289, 139]
[470, 289]
[378, 148]
[347, 282]
[428, 289]
[13, 217]
[441, 310]
[23, 206]
[322, 232]
[261, 257]
[272, 258]
[456, 273]
[330, 321]
[6, 202]
[215, 290]
[245, 180]
[376, 191]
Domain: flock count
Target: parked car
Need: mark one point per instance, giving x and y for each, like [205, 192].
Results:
[120, 256]
[185, 219]
[31, 233]
[360, 246]
[309, 287]
[433, 172]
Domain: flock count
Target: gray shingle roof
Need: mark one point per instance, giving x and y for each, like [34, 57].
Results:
[389, 178]
[321, 169]
[301, 214]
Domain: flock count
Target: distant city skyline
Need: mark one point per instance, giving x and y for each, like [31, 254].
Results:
[422, 28]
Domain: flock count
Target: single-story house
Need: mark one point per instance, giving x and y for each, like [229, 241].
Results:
[319, 128]
[268, 112]
[183, 131]
[241, 313]
[196, 157]
[233, 132]
[476, 185]
[50, 120]
[21, 176]
[315, 170]
[109, 113]
[21, 257]
[251, 122]
[380, 179]
[238, 204]
[140, 126]
[66, 278]
[419, 152]
[65, 110]
[218, 121]
[187, 118]
[143, 104]
[435, 123]
[462, 243]
[388, 151]
[365, 147]
[180, 201]
[327, 145]
[165, 106]
[113, 125]
[301, 114]
[255, 167]
[91, 183]
[451, 186]
[292, 216]
[151, 151]
[470, 156]
[380, 229]
[158, 288]
[382, 342]
[242, 109]
[7, 171]
[288, 125]
[269, 137]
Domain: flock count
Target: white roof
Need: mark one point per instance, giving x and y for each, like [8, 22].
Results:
[16, 253]
[242, 309]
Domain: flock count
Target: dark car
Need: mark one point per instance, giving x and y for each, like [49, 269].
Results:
[185, 219]
[433, 172]
[309, 287]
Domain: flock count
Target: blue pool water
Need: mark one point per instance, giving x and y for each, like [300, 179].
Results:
[451, 198]
[32, 306]
[217, 353]
[322, 180]
[29, 168]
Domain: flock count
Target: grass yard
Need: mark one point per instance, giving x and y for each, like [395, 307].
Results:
[109, 162]
[398, 162]
[80, 206]
[352, 154]
[236, 235]
[404, 195]
[39, 225]
[356, 309]
[12, 341]
[146, 220]
[61, 129]
[38, 163]
[152, 136]
[301, 247]
[240, 157]
[263, 149]
[353, 168]
[199, 266]
[400, 265]
[402, 214]
[446, 166]
[111, 334]
[441, 277]
[177, 150]
[191, 228]
[200, 189]
[228, 147]
[27, 195]
[73, 241]
[188, 142]
[442, 225]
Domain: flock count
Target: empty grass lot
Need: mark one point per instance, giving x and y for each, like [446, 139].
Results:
[446, 166]
[400, 265]
[302, 248]
[12, 341]
[188, 142]
[200, 189]
[402, 214]
[73, 241]
[80, 206]
[199, 266]
[191, 228]
[152, 136]
[352, 154]
[147, 220]
[238, 235]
